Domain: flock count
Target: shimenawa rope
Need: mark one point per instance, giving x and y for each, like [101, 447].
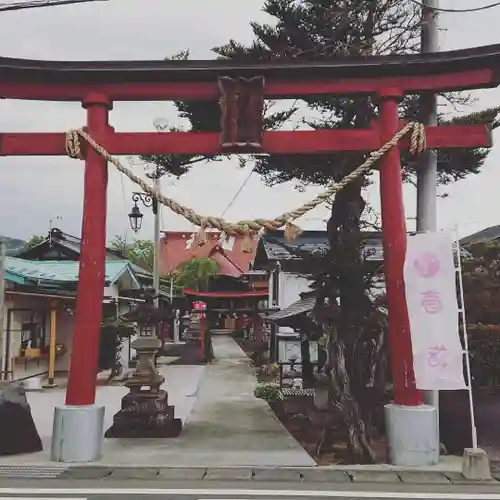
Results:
[248, 228]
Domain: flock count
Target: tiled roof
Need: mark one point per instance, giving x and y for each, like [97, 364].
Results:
[74, 244]
[178, 247]
[58, 271]
[277, 249]
[274, 247]
[484, 236]
[300, 307]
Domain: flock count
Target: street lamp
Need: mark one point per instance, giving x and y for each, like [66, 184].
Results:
[135, 218]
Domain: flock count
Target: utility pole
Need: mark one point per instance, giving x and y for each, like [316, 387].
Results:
[156, 261]
[51, 226]
[427, 168]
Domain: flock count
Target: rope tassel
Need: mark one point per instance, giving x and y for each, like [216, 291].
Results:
[247, 245]
[291, 231]
[201, 236]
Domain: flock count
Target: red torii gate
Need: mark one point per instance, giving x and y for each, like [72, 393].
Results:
[241, 90]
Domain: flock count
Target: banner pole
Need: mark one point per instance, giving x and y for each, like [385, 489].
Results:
[466, 341]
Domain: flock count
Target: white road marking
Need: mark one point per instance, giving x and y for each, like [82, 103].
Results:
[233, 494]
[384, 495]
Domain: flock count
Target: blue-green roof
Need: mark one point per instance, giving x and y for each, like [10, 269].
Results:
[58, 271]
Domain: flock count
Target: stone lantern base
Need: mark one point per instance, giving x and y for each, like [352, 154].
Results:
[145, 412]
[145, 415]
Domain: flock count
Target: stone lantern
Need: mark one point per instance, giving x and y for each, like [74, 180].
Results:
[145, 411]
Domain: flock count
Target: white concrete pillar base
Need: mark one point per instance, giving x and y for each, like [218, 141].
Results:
[77, 435]
[412, 435]
[476, 465]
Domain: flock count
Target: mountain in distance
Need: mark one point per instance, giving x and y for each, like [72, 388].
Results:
[12, 245]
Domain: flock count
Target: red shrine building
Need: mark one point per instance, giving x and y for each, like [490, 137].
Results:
[238, 293]
[230, 253]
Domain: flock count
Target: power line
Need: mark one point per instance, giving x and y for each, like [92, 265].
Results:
[460, 11]
[230, 204]
[41, 3]
[125, 205]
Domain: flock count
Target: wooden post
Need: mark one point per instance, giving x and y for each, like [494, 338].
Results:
[258, 327]
[202, 324]
[52, 345]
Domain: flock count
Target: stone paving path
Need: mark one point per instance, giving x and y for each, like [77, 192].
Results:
[182, 383]
[224, 424]
[227, 349]
[229, 426]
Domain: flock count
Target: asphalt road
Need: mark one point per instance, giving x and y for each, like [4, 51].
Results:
[169, 490]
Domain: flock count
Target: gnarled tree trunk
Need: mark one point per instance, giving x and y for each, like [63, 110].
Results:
[355, 340]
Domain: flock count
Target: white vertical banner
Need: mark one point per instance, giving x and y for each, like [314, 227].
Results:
[431, 296]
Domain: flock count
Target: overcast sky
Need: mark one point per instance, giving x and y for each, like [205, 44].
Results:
[35, 190]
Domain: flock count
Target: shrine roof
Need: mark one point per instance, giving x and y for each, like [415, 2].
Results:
[226, 266]
[274, 247]
[277, 248]
[102, 72]
[488, 235]
[24, 271]
[71, 246]
[178, 247]
[301, 306]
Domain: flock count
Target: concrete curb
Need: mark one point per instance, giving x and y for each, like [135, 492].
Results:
[246, 474]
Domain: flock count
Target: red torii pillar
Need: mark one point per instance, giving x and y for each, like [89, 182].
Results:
[394, 230]
[81, 419]
[412, 427]
[90, 295]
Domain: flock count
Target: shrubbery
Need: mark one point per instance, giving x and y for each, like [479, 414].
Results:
[267, 391]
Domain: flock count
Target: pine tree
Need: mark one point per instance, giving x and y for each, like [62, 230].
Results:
[332, 29]
[200, 120]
